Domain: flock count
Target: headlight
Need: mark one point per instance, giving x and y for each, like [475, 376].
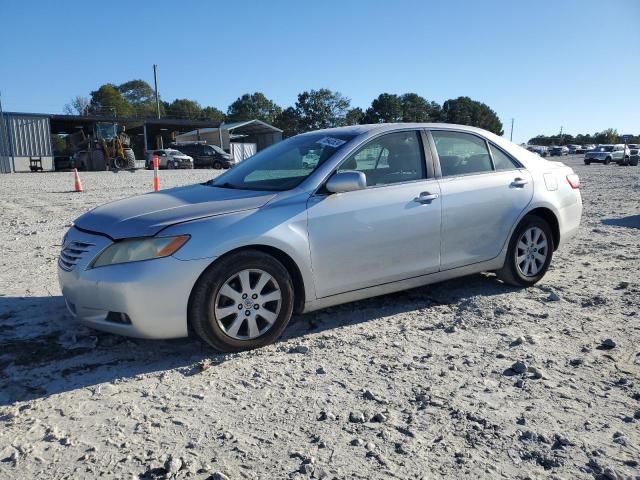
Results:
[138, 249]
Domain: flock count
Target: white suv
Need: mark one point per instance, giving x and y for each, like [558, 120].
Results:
[606, 154]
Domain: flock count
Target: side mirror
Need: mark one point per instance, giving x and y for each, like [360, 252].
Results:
[347, 181]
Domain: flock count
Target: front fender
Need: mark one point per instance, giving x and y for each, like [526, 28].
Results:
[281, 225]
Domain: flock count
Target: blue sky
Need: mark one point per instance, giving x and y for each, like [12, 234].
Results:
[546, 63]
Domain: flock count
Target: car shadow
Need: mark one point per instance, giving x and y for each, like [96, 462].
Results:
[632, 221]
[44, 352]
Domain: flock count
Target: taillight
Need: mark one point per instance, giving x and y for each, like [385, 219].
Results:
[573, 180]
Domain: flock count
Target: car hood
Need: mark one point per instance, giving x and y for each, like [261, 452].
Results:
[146, 215]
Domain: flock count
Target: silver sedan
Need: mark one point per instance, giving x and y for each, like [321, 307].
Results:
[319, 219]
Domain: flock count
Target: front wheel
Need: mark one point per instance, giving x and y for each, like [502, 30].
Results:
[529, 254]
[587, 162]
[217, 165]
[607, 160]
[241, 302]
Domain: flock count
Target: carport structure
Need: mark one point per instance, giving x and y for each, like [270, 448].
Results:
[255, 132]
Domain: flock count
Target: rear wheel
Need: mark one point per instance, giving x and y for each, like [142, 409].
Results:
[529, 254]
[129, 158]
[587, 162]
[241, 302]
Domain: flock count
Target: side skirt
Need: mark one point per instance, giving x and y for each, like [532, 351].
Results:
[407, 284]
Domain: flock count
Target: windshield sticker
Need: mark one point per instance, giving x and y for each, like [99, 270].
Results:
[331, 142]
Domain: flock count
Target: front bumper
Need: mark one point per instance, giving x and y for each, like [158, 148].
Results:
[154, 294]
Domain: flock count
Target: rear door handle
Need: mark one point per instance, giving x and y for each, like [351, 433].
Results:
[519, 182]
[426, 197]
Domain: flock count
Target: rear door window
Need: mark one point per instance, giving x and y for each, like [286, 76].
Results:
[461, 153]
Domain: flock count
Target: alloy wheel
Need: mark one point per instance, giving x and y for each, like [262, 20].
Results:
[248, 304]
[531, 252]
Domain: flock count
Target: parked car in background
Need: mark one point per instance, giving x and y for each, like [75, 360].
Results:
[205, 156]
[581, 149]
[573, 149]
[606, 154]
[589, 147]
[170, 159]
[634, 154]
[559, 152]
[385, 208]
[542, 151]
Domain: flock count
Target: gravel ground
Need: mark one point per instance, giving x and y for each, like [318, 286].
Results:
[465, 379]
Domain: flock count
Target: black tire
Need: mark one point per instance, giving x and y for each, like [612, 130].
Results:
[217, 165]
[170, 165]
[607, 160]
[586, 162]
[119, 163]
[129, 158]
[511, 273]
[633, 162]
[201, 312]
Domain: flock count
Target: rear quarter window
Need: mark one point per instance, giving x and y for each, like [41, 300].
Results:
[501, 160]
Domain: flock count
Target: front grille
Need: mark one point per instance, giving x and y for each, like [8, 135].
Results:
[72, 253]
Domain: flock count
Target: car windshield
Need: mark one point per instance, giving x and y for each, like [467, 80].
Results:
[282, 166]
[605, 149]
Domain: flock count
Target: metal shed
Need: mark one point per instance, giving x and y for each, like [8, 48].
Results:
[25, 137]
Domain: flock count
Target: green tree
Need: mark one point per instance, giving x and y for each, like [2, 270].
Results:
[140, 96]
[321, 109]
[387, 108]
[418, 109]
[289, 122]
[610, 135]
[465, 111]
[253, 106]
[185, 109]
[354, 116]
[212, 113]
[108, 100]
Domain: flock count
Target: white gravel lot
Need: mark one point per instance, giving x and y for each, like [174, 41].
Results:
[412, 385]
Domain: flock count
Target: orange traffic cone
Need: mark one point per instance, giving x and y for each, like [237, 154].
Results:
[78, 183]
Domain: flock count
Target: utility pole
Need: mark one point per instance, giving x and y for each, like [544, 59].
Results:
[560, 135]
[155, 82]
[511, 136]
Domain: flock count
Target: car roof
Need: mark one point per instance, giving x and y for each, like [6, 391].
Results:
[524, 156]
[382, 127]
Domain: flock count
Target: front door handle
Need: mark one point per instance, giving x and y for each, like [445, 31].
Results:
[519, 182]
[426, 197]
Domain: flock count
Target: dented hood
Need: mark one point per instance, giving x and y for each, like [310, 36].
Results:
[146, 215]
